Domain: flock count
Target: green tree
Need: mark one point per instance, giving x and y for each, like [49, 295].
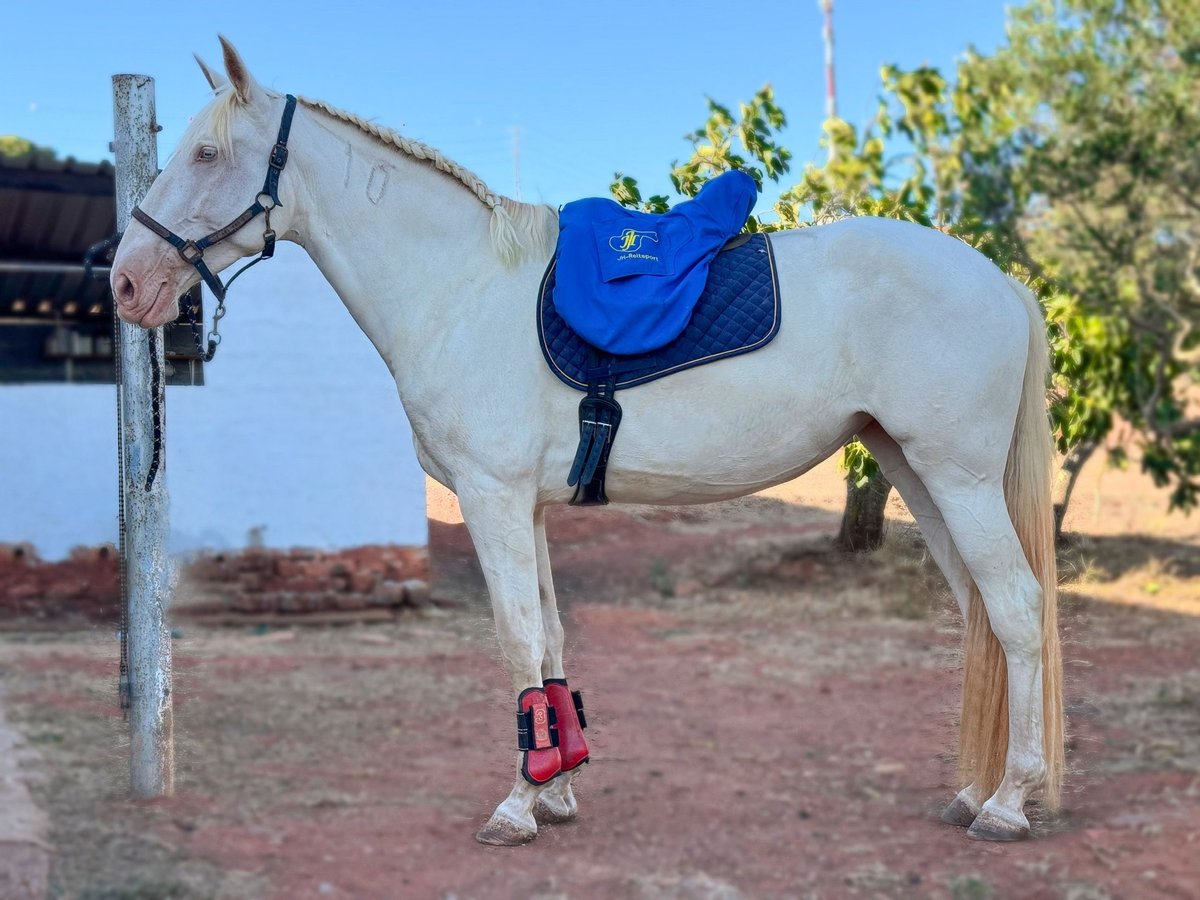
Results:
[858, 179]
[1081, 137]
[1068, 157]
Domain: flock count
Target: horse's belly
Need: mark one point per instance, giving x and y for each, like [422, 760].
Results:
[688, 471]
[728, 429]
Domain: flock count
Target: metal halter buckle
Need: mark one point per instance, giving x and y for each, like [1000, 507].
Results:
[191, 252]
[279, 156]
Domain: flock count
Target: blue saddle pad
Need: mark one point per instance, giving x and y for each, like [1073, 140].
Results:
[628, 280]
[738, 311]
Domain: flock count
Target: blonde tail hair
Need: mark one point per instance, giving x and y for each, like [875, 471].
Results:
[1027, 482]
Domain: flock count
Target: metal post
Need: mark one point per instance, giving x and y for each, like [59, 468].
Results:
[141, 403]
[830, 92]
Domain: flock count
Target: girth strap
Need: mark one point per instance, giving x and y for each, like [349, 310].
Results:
[599, 419]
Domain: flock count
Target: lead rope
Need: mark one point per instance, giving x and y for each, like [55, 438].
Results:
[156, 407]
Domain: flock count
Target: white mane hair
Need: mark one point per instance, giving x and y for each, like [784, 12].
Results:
[519, 231]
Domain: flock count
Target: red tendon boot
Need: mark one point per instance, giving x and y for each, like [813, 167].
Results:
[537, 736]
[568, 707]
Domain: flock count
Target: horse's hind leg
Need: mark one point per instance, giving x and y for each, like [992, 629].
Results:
[963, 809]
[972, 503]
[556, 803]
[500, 520]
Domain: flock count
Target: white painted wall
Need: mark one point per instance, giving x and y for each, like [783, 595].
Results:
[298, 431]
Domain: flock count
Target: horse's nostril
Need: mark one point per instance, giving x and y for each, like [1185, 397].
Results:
[124, 289]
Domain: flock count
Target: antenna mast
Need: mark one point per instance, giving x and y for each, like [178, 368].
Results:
[830, 95]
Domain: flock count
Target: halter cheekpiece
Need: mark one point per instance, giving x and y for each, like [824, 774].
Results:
[192, 252]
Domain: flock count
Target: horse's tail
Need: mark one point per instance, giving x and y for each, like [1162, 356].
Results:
[1027, 483]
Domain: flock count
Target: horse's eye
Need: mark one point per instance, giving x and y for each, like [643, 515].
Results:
[206, 154]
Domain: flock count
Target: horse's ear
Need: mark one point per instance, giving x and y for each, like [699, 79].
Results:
[215, 79]
[243, 82]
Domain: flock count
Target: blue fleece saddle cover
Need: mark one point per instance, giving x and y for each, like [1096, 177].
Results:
[627, 281]
[737, 311]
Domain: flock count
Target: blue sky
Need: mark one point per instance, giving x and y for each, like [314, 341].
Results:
[593, 88]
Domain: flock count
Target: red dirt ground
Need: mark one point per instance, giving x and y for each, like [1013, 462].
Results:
[769, 719]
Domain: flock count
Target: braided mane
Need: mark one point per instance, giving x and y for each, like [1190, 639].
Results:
[519, 230]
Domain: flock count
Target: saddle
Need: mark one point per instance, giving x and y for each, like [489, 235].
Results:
[736, 310]
[628, 281]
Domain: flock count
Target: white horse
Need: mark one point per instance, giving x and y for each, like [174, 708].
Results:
[897, 333]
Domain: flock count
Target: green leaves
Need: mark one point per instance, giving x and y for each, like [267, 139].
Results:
[1089, 174]
[752, 132]
[625, 191]
[858, 464]
[1069, 157]
[747, 141]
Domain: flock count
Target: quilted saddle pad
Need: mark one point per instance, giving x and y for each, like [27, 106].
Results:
[737, 312]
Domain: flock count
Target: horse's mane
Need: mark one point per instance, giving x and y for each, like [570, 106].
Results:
[519, 230]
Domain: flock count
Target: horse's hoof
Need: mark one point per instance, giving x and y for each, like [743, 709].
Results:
[990, 825]
[545, 814]
[501, 832]
[959, 813]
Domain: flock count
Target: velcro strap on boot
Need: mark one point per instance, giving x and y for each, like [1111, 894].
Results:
[577, 699]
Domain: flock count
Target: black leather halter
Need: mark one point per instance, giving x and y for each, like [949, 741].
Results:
[192, 252]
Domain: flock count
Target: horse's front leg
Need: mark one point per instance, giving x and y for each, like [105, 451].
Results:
[556, 803]
[500, 520]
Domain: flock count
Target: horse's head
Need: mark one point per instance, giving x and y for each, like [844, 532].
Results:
[217, 171]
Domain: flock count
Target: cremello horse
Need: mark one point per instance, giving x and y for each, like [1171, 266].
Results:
[891, 331]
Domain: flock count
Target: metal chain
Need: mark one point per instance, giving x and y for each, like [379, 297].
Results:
[214, 336]
[124, 687]
[124, 690]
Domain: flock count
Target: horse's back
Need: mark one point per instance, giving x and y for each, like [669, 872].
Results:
[923, 321]
[888, 268]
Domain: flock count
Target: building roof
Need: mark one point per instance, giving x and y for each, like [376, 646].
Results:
[51, 211]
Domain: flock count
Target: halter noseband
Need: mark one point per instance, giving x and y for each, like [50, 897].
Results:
[192, 252]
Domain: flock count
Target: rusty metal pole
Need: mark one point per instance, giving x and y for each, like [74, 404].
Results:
[145, 524]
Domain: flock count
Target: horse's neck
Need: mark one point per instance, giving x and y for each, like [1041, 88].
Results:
[406, 247]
